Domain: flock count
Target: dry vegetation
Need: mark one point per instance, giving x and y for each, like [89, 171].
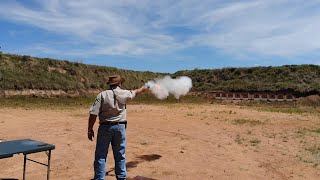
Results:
[25, 72]
[302, 80]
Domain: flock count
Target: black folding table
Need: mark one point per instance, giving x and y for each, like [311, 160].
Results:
[26, 146]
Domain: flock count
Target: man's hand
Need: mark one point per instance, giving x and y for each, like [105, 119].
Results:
[91, 121]
[90, 134]
[141, 90]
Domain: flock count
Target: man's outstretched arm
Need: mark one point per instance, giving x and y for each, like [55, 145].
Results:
[91, 121]
[140, 90]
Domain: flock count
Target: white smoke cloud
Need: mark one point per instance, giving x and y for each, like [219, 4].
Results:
[165, 86]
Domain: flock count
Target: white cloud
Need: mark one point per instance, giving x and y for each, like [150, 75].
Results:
[280, 28]
[283, 28]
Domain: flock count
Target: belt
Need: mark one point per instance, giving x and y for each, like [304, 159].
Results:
[113, 123]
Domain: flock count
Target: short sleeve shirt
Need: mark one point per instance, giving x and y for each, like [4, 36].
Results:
[110, 105]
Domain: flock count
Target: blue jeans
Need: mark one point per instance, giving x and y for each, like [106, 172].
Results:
[116, 135]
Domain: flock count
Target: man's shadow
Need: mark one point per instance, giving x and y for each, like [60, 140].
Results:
[129, 165]
[8, 179]
[140, 159]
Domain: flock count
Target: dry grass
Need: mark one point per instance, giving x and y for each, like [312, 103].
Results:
[242, 121]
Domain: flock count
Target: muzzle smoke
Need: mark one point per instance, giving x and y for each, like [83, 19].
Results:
[165, 86]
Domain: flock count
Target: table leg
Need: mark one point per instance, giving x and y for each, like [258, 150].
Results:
[24, 166]
[49, 160]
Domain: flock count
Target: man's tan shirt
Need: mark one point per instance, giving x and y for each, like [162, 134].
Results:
[110, 105]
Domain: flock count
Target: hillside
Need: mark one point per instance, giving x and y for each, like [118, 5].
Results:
[25, 72]
[299, 79]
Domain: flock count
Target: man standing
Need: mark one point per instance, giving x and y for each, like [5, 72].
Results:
[110, 106]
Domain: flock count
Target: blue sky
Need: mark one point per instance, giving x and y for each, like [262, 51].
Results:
[164, 36]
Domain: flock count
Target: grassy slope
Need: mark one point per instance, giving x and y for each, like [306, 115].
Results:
[300, 79]
[25, 72]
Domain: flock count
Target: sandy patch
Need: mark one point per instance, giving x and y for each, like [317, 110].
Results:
[172, 142]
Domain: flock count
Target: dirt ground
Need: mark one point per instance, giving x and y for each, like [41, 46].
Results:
[177, 141]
